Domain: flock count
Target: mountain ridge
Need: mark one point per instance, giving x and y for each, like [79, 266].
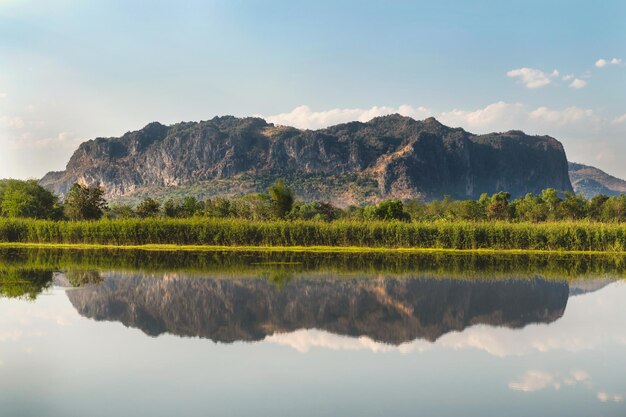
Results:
[591, 181]
[387, 157]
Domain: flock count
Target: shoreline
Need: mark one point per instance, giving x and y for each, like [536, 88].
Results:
[304, 249]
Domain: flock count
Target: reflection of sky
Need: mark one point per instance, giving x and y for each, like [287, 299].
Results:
[54, 362]
[590, 321]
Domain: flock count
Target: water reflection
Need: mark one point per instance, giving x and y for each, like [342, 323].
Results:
[544, 335]
[388, 310]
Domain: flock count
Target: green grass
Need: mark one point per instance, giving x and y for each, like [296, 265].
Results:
[221, 234]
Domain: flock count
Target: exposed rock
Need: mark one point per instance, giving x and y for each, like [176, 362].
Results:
[384, 309]
[387, 157]
[591, 181]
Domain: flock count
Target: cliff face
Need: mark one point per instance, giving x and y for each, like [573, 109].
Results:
[387, 157]
[591, 181]
[385, 309]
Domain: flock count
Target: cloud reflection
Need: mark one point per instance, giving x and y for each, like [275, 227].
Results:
[591, 321]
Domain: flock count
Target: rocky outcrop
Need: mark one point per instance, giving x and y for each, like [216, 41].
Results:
[591, 181]
[387, 157]
[389, 310]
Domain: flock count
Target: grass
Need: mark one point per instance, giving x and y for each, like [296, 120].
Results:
[311, 249]
[313, 236]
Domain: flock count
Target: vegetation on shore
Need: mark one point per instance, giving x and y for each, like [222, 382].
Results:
[549, 221]
[27, 199]
[466, 235]
[26, 272]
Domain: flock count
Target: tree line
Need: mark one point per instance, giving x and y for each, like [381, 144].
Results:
[27, 199]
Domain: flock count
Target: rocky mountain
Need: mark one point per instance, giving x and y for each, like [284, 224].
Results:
[385, 309]
[387, 157]
[591, 181]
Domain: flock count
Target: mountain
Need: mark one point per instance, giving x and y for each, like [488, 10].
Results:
[591, 181]
[387, 157]
[385, 309]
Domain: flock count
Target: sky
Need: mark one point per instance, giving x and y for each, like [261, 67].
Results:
[73, 70]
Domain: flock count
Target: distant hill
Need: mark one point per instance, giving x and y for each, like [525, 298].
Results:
[591, 181]
[388, 310]
[387, 157]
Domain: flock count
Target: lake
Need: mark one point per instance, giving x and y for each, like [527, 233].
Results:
[129, 333]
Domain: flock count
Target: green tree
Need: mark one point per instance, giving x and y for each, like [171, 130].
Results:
[219, 207]
[614, 209]
[190, 207]
[530, 208]
[595, 206]
[470, 210]
[315, 211]
[27, 199]
[171, 209]
[552, 200]
[387, 210]
[148, 208]
[85, 202]
[573, 207]
[498, 207]
[281, 199]
[120, 211]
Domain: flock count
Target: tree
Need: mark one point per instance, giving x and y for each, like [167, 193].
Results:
[148, 208]
[281, 199]
[315, 211]
[595, 206]
[171, 209]
[573, 207]
[470, 210]
[614, 209]
[27, 199]
[190, 207]
[120, 211]
[552, 200]
[387, 210]
[85, 203]
[498, 207]
[531, 208]
[218, 207]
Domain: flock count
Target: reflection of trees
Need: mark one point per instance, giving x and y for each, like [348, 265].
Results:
[79, 278]
[257, 263]
[280, 278]
[24, 283]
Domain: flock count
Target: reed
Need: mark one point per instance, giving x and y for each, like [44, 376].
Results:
[562, 235]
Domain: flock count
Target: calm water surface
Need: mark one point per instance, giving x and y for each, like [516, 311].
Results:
[130, 334]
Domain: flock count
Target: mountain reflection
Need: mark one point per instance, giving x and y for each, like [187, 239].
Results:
[386, 309]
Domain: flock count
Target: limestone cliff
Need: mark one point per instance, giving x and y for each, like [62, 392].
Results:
[387, 157]
[384, 309]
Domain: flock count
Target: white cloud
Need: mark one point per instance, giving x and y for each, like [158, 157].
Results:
[620, 119]
[498, 116]
[601, 63]
[577, 331]
[578, 84]
[305, 118]
[534, 381]
[12, 122]
[587, 136]
[506, 116]
[304, 340]
[533, 78]
[606, 397]
[568, 77]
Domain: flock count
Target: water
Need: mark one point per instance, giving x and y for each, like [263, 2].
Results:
[197, 334]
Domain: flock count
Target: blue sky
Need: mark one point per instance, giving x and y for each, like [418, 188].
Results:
[71, 70]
